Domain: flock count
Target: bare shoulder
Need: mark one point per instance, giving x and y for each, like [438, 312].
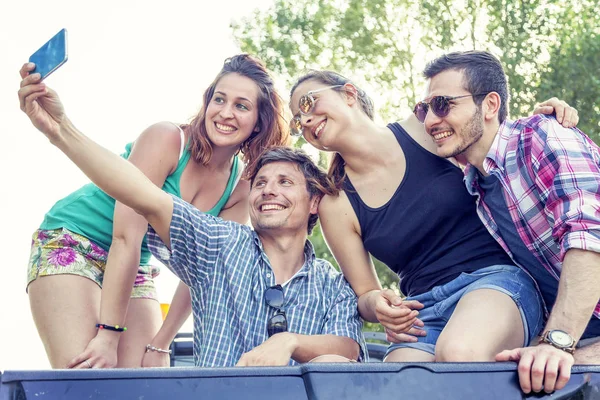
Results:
[157, 147]
[337, 211]
[164, 132]
[416, 131]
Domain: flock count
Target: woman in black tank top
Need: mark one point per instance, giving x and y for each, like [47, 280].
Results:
[400, 202]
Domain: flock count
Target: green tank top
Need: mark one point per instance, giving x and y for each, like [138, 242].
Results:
[89, 211]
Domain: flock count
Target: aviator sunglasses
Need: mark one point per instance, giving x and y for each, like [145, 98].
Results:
[440, 105]
[278, 322]
[306, 104]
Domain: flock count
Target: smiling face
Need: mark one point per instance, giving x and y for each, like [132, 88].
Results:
[328, 118]
[279, 199]
[458, 131]
[232, 112]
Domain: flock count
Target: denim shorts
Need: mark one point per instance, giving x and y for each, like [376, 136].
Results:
[439, 303]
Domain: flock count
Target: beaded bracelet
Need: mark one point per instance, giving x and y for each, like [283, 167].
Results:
[149, 347]
[115, 328]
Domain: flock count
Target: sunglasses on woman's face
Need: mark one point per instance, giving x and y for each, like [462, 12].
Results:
[440, 105]
[278, 322]
[306, 104]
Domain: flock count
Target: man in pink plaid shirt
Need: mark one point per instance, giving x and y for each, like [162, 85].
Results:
[537, 185]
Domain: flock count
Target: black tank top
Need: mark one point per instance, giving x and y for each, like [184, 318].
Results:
[429, 231]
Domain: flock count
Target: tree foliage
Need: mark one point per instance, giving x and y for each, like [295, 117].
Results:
[548, 47]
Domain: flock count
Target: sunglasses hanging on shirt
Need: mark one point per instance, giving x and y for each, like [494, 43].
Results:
[278, 322]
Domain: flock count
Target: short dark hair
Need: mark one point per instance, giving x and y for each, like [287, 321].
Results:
[317, 182]
[483, 74]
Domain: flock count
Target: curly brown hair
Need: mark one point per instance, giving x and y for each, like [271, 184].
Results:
[272, 128]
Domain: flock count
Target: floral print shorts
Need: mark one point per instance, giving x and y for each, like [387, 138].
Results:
[60, 251]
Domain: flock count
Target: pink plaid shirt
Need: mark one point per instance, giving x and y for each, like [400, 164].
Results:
[551, 181]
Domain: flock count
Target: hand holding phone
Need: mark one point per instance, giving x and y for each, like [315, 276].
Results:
[41, 104]
[51, 55]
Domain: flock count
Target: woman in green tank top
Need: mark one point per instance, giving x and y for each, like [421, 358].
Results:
[89, 261]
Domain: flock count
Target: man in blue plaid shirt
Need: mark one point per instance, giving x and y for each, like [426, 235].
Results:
[261, 297]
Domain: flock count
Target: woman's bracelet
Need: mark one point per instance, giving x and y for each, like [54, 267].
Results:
[115, 328]
[149, 347]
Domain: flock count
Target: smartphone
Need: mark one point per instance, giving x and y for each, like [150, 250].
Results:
[51, 55]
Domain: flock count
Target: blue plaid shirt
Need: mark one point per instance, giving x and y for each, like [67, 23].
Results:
[228, 272]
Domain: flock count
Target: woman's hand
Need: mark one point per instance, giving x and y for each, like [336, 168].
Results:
[566, 115]
[153, 359]
[399, 317]
[40, 103]
[101, 352]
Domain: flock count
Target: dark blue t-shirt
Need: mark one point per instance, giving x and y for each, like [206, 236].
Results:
[494, 198]
[429, 231]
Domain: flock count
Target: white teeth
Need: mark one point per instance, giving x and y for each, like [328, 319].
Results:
[267, 207]
[225, 127]
[442, 135]
[320, 128]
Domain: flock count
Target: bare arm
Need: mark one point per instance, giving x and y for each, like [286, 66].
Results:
[340, 230]
[569, 181]
[117, 177]
[278, 349]
[156, 154]
[179, 311]
[578, 292]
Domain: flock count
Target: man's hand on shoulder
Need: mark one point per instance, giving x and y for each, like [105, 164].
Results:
[277, 350]
[540, 367]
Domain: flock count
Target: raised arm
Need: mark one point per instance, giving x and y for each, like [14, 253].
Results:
[116, 176]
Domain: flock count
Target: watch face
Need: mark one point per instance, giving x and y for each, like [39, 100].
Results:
[561, 338]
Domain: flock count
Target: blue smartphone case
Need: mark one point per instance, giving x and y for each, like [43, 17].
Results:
[51, 55]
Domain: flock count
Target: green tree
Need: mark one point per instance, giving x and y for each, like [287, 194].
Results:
[362, 38]
[573, 71]
[548, 49]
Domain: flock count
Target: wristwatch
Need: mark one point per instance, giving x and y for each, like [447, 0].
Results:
[559, 339]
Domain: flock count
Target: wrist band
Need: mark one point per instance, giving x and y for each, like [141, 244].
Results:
[149, 347]
[115, 328]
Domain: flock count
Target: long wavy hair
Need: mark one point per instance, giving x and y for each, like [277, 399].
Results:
[337, 172]
[272, 128]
